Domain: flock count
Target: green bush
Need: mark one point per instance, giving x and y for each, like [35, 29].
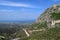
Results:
[55, 16]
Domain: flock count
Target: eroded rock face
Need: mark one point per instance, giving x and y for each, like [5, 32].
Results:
[46, 15]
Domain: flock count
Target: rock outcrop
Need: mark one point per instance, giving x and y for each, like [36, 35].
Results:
[46, 16]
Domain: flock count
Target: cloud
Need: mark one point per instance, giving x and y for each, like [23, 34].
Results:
[6, 14]
[6, 3]
[55, 0]
[6, 10]
[20, 10]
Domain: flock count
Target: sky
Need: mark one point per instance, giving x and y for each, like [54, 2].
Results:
[23, 9]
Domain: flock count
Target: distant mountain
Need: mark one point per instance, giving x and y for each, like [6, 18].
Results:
[18, 21]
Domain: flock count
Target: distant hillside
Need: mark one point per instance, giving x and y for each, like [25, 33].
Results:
[17, 21]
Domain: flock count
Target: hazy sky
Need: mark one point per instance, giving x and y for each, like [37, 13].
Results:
[23, 9]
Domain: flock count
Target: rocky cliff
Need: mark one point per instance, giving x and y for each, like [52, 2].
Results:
[45, 16]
